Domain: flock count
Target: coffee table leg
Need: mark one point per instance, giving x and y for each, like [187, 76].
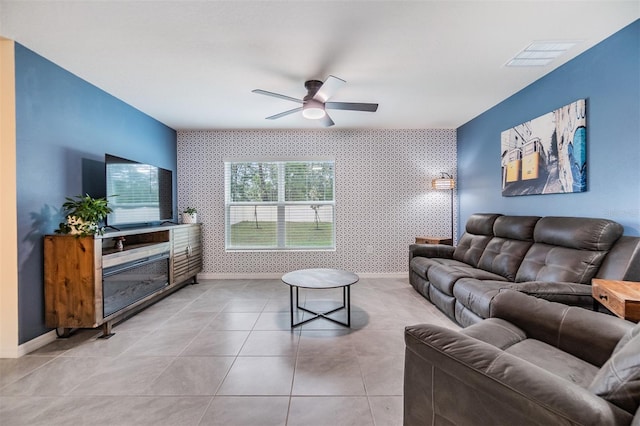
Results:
[291, 303]
[347, 290]
[346, 303]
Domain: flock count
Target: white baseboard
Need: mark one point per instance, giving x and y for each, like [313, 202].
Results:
[271, 276]
[29, 346]
[390, 275]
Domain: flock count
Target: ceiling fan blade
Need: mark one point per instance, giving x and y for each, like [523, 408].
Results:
[328, 88]
[282, 114]
[326, 121]
[277, 95]
[352, 106]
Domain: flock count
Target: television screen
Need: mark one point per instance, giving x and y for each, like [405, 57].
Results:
[137, 193]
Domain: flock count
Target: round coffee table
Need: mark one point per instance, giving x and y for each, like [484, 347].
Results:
[316, 279]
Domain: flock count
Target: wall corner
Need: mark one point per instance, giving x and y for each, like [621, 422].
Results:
[8, 214]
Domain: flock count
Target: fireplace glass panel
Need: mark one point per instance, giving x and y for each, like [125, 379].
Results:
[125, 284]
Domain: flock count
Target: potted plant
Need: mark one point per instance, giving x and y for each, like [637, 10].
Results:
[84, 215]
[190, 215]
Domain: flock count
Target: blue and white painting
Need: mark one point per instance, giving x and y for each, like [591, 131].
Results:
[547, 155]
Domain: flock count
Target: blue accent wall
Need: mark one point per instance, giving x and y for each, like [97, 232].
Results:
[608, 77]
[64, 126]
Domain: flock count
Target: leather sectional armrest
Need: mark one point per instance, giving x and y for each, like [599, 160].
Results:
[473, 370]
[573, 294]
[547, 289]
[431, 250]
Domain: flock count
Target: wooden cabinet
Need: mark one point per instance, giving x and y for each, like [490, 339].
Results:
[620, 297]
[91, 281]
[187, 253]
[72, 281]
[434, 240]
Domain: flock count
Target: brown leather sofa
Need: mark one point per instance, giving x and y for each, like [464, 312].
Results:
[553, 258]
[533, 362]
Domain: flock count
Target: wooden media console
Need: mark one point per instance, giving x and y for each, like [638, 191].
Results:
[91, 282]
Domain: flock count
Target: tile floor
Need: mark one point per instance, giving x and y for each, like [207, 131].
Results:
[222, 353]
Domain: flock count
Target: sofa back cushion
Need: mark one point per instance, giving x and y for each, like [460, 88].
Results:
[618, 381]
[627, 338]
[478, 232]
[581, 233]
[568, 249]
[504, 252]
[623, 261]
[544, 262]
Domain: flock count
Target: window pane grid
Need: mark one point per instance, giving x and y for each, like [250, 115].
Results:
[280, 205]
[308, 225]
[252, 226]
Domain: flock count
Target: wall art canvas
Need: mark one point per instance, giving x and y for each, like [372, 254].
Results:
[547, 155]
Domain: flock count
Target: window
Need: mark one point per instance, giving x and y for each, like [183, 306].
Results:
[279, 205]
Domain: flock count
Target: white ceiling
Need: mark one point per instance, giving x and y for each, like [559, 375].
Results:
[193, 64]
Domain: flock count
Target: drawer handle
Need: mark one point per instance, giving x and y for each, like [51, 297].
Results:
[603, 297]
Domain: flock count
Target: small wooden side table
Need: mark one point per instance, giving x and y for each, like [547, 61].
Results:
[434, 240]
[620, 297]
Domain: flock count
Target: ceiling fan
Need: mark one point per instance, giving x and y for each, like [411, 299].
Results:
[314, 104]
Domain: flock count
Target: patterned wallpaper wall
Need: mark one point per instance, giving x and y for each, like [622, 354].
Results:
[383, 194]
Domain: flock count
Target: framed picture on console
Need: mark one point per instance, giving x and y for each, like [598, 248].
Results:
[546, 155]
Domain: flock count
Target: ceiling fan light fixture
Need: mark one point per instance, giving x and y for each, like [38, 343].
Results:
[313, 110]
[316, 101]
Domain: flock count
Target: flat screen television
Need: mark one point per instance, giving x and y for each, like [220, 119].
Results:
[137, 193]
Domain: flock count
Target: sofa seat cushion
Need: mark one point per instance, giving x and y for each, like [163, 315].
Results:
[444, 277]
[421, 265]
[464, 316]
[562, 292]
[476, 295]
[510, 338]
[555, 361]
[618, 381]
[591, 336]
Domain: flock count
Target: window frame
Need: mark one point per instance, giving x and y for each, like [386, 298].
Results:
[281, 204]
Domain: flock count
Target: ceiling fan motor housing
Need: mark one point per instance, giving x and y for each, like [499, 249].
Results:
[312, 87]
[312, 108]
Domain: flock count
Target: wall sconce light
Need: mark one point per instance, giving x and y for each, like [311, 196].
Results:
[446, 181]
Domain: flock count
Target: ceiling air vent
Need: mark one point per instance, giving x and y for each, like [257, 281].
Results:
[540, 53]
